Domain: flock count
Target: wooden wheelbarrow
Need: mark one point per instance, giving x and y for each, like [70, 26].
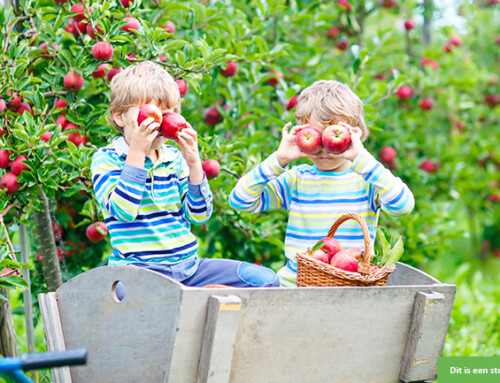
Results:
[158, 330]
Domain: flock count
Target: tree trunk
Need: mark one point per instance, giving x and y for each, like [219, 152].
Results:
[48, 249]
[8, 342]
[427, 26]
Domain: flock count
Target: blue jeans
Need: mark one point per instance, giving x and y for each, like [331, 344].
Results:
[198, 272]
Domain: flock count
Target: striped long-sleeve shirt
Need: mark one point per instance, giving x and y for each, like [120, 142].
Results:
[315, 199]
[149, 212]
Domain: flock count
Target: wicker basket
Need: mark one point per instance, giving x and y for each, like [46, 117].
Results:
[311, 272]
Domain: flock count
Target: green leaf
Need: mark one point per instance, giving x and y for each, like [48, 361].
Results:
[395, 252]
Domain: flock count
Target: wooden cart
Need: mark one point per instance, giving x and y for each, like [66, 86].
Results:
[162, 331]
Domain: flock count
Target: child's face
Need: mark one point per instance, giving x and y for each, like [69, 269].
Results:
[326, 161]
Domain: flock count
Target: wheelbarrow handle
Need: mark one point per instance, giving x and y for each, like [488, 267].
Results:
[51, 359]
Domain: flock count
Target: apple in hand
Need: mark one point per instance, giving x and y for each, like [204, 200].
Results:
[336, 139]
[345, 261]
[171, 124]
[320, 255]
[149, 111]
[330, 246]
[308, 140]
[9, 182]
[96, 231]
[211, 168]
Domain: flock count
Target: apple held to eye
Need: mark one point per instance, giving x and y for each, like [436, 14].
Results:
[149, 111]
[171, 124]
[309, 140]
[336, 139]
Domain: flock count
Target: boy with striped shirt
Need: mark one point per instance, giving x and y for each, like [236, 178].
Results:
[150, 193]
[315, 196]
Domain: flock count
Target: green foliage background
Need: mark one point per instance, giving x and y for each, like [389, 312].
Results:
[454, 229]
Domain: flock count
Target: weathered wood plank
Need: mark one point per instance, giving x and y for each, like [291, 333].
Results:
[426, 337]
[53, 333]
[219, 336]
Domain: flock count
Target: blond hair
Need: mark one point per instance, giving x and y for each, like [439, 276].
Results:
[328, 102]
[140, 84]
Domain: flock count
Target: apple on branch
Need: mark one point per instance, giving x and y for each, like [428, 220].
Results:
[9, 182]
[18, 165]
[97, 231]
[73, 82]
[182, 85]
[211, 168]
[4, 159]
[336, 139]
[102, 51]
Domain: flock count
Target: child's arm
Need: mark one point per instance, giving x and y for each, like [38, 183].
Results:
[388, 192]
[194, 188]
[118, 189]
[269, 185]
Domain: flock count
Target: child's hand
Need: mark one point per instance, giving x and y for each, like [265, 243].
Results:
[288, 150]
[356, 145]
[188, 142]
[140, 137]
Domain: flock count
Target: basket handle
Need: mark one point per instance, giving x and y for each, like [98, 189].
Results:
[364, 266]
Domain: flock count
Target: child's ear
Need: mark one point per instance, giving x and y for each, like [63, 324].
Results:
[118, 117]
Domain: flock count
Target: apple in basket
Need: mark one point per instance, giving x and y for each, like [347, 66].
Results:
[320, 255]
[345, 261]
[330, 246]
[356, 252]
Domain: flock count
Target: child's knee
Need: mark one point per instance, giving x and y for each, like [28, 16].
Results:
[257, 276]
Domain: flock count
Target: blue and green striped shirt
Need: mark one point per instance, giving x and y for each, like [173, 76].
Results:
[315, 199]
[149, 212]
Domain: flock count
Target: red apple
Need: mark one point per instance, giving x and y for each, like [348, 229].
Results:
[275, 79]
[428, 62]
[387, 154]
[491, 99]
[336, 139]
[58, 230]
[183, 86]
[388, 4]
[409, 24]
[45, 47]
[4, 159]
[320, 255]
[169, 27]
[9, 183]
[230, 70]
[427, 166]
[344, 4]
[126, 3]
[73, 27]
[132, 24]
[60, 2]
[332, 33]
[24, 107]
[102, 51]
[70, 126]
[73, 82]
[356, 252]
[292, 103]
[149, 111]
[404, 92]
[15, 102]
[455, 40]
[60, 103]
[77, 139]
[447, 47]
[101, 71]
[494, 197]
[309, 140]
[46, 136]
[91, 32]
[211, 168]
[113, 72]
[96, 231]
[61, 120]
[330, 247]
[3, 106]
[212, 116]
[426, 103]
[342, 44]
[18, 166]
[171, 124]
[345, 261]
